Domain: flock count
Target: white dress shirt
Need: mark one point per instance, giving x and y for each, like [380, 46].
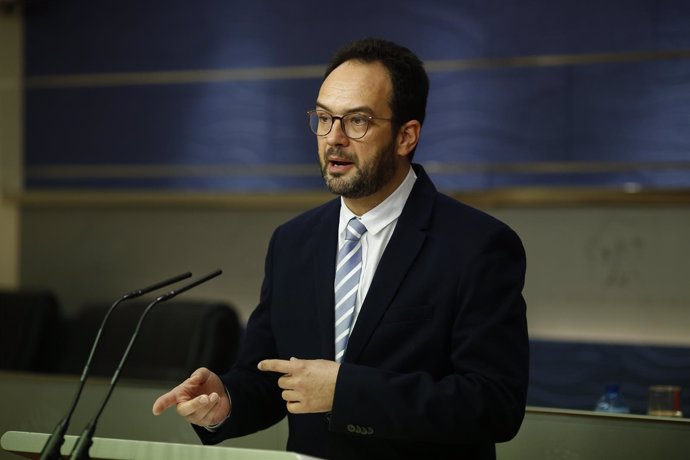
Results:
[380, 223]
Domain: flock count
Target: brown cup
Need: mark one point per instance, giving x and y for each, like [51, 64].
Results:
[664, 401]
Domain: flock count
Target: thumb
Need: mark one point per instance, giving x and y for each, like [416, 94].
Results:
[199, 376]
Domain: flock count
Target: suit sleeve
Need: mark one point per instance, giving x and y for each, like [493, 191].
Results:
[482, 396]
[255, 395]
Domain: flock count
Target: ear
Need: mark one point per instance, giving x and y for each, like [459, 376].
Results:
[408, 137]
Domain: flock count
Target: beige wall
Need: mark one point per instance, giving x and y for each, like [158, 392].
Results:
[10, 145]
[594, 273]
[615, 274]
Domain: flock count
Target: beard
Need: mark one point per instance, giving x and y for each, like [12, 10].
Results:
[367, 179]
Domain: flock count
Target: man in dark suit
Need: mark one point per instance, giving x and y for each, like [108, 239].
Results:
[391, 322]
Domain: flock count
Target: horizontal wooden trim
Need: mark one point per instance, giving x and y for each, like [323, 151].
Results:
[297, 201]
[293, 201]
[131, 171]
[566, 196]
[316, 71]
[558, 412]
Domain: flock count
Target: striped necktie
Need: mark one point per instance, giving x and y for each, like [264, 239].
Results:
[347, 273]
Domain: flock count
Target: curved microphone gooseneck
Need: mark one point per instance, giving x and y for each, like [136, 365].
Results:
[81, 447]
[51, 449]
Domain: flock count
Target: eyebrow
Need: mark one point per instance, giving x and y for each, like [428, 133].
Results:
[360, 109]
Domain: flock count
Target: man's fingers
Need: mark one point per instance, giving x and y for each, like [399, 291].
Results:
[165, 401]
[295, 407]
[199, 405]
[277, 365]
[287, 382]
[290, 396]
[181, 393]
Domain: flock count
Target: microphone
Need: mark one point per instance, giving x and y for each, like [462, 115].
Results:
[81, 447]
[51, 449]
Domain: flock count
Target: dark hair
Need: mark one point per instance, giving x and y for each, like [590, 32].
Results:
[408, 77]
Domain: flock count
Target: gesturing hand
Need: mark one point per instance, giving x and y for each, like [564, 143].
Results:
[201, 399]
[308, 385]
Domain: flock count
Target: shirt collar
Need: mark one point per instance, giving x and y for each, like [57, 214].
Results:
[386, 212]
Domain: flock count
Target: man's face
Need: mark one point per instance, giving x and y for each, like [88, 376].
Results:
[356, 168]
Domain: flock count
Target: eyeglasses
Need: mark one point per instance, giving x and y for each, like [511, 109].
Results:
[354, 125]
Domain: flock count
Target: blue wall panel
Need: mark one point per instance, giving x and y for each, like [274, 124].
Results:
[228, 122]
[573, 374]
[491, 122]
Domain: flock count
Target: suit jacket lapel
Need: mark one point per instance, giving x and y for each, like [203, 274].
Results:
[326, 240]
[401, 251]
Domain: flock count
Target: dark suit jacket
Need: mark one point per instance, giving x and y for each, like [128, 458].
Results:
[437, 363]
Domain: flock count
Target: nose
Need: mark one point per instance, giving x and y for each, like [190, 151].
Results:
[337, 136]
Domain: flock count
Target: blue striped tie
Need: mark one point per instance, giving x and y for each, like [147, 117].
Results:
[347, 273]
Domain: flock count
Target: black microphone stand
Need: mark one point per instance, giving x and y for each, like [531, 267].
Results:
[51, 449]
[81, 447]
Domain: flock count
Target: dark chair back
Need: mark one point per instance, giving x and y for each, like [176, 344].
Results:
[28, 324]
[175, 338]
